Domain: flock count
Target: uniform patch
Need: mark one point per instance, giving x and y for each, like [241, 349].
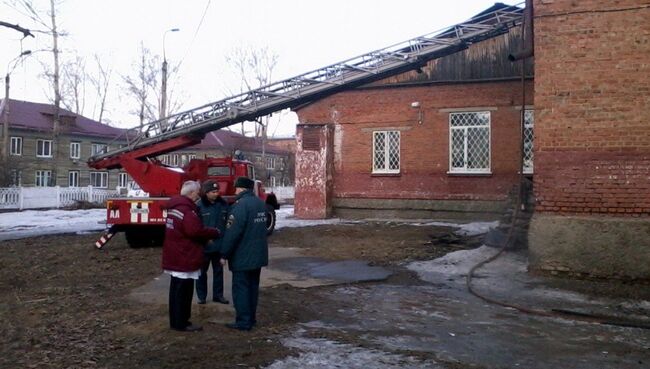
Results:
[231, 221]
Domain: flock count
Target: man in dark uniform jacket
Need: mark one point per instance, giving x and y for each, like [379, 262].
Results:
[182, 253]
[214, 212]
[244, 246]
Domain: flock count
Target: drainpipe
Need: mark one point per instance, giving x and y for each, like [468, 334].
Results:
[529, 35]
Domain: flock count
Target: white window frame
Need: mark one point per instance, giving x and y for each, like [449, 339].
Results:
[16, 147]
[98, 148]
[73, 178]
[122, 179]
[387, 149]
[42, 178]
[465, 169]
[75, 150]
[103, 179]
[41, 147]
[270, 162]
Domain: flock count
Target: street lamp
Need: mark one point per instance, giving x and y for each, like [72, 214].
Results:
[163, 93]
[5, 109]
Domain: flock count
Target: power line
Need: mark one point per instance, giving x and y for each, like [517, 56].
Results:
[196, 32]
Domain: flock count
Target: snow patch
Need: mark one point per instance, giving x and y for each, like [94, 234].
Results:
[453, 265]
[318, 353]
[31, 223]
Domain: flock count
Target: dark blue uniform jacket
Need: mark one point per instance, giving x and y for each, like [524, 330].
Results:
[244, 242]
[213, 215]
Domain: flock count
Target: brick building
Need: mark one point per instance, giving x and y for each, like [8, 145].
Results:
[592, 138]
[404, 146]
[36, 158]
[440, 142]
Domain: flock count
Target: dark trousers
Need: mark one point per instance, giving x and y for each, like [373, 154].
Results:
[181, 292]
[245, 291]
[217, 277]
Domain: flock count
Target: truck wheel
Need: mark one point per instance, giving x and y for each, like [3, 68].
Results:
[145, 236]
[270, 219]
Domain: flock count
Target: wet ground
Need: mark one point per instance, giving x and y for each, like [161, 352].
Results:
[370, 295]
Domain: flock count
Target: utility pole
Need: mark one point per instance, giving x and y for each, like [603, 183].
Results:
[163, 92]
[5, 107]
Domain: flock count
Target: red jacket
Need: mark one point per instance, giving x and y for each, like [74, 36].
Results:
[185, 236]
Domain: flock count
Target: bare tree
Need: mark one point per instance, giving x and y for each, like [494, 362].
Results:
[255, 68]
[143, 87]
[101, 81]
[46, 18]
[73, 85]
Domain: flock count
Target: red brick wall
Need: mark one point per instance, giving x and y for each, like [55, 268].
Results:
[425, 146]
[592, 101]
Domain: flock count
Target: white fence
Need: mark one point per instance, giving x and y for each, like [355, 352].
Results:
[51, 197]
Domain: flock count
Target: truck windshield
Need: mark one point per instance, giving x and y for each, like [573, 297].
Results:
[219, 171]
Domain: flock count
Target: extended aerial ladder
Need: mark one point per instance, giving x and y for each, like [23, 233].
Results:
[189, 127]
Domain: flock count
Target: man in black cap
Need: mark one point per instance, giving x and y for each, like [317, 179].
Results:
[244, 246]
[214, 212]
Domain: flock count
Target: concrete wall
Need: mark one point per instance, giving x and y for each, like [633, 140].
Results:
[601, 247]
[592, 137]
[471, 210]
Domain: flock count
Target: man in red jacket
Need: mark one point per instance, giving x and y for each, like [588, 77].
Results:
[182, 254]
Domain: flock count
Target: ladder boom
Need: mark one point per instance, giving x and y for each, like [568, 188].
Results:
[322, 82]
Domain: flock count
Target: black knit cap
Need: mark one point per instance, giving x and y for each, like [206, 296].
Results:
[209, 185]
[244, 182]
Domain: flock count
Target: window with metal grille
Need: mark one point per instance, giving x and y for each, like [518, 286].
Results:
[44, 148]
[99, 179]
[529, 122]
[469, 142]
[73, 178]
[43, 178]
[16, 146]
[75, 150]
[385, 152]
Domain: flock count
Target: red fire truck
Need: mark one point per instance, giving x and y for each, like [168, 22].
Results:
[142, 219]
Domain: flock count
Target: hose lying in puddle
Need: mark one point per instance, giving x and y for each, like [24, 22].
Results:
[559, 313]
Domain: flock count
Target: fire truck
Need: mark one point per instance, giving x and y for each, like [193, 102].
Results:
[141, 218]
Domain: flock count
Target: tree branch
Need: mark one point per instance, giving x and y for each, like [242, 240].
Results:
[18, 28]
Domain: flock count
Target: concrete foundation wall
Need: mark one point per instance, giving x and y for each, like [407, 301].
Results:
[601, 247]
[418, 209]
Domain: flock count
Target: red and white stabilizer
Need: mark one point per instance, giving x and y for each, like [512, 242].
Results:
[104, 238]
